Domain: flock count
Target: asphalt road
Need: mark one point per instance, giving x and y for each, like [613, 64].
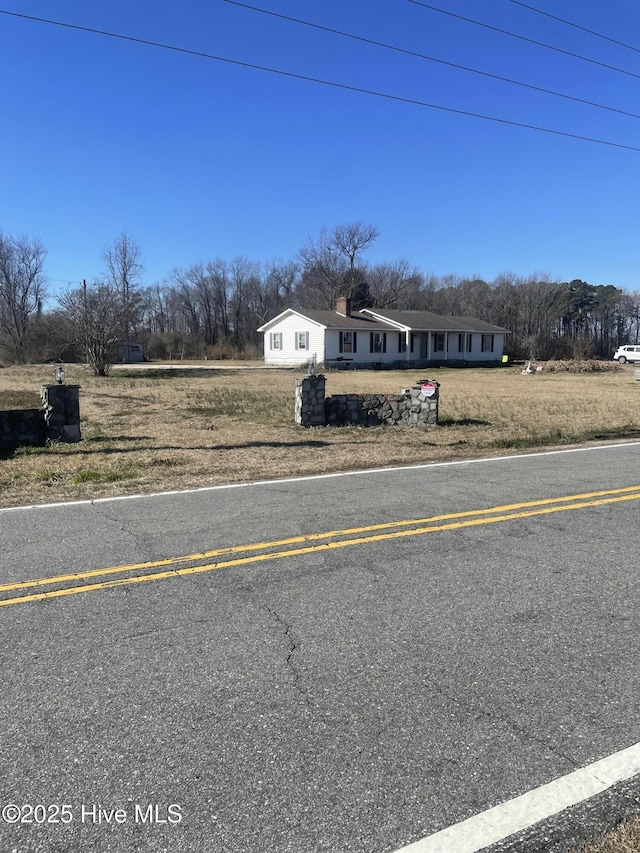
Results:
[355, 693]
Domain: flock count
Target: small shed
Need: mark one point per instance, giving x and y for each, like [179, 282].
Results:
[130, 352]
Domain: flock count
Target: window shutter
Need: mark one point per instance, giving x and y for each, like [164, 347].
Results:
[370, 341]
[412, 336]
[295, 335]
[306, 340]
[384, 342]
[492, 343]
[341, 344]
[270, 340]
[355, 336]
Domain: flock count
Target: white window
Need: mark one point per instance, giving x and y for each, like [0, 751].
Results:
[461, 342]
[402, 342]
[487, 343]
[276, 340]
[302, 340]
[469, 342]
[438, 341]
[348, 342]
[378, 342]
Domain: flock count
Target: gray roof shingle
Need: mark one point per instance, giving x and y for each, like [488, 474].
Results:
[428, 321]
[419, 321]
[333, 320]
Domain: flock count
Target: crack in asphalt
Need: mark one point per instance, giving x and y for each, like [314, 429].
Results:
[117, 521]
[520, 731]
[138, 541]
[161, 630]
[290, 640]
[510, 724]
[289, 663]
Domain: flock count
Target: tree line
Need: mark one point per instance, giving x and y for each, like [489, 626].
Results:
[212, 309]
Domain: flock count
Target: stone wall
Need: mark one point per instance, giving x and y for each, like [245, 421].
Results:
[415, 406]
[22, 427]
[57, 420]
[309, 408]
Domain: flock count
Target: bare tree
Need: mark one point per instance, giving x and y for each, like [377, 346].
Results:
[96, 315]
[280, 278]
[123, 260]
[332, 264]
[350, 241]
[392, 285]
[155, 314]
[322, 276]
[245, 278]
[182, 285]
[205, 298]
[22, 288]
[218, 275]
[628, 319]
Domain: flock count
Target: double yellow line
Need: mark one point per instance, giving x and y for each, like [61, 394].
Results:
[173, 567]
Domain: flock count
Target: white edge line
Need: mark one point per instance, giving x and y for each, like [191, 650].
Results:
[499, 822]
[357, 473]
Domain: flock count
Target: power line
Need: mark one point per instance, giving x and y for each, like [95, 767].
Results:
[433, 59]
[343, 86]
[577, 26]
[524, 38]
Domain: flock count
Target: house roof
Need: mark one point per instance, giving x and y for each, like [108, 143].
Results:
[333, 320]
[372, 319]
[428, 321]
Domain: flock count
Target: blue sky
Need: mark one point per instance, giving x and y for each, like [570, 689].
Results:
[199, 159]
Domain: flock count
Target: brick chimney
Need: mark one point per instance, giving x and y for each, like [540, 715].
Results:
[343, 306]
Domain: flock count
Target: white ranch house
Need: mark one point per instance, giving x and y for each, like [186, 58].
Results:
[379, 337]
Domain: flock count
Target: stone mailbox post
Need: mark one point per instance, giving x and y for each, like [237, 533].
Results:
[61, 407]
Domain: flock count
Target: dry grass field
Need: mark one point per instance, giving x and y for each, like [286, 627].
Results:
[625, 839]
[155, 429]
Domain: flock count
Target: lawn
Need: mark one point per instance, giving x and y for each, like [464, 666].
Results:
[155, 429]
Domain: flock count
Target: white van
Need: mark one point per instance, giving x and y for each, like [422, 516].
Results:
[627, 354]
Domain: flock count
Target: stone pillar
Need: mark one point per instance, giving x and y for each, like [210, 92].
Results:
[61, 406]
[310, 400]
[425, 398]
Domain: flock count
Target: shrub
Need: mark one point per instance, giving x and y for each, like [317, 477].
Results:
[581, 365]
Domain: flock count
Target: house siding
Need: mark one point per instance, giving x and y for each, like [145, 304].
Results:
[363, 354]
[289, 328]
[324, 343]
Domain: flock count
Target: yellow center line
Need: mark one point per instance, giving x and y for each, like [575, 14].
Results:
[343, 543]
[298, 540]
